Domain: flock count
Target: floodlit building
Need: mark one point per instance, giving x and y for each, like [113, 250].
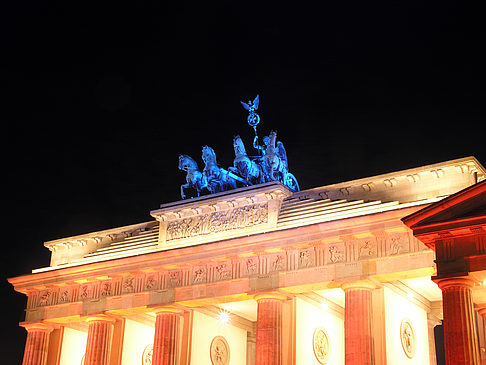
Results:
[338, 274]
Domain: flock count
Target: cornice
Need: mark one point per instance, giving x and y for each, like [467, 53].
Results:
[104, 236]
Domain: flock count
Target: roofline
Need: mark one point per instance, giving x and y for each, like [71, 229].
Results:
[454, 199]
[459, 161]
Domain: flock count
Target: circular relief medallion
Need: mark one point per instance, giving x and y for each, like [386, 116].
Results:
[322, 345]
[407, 337]
[147, 355]
[219, 351]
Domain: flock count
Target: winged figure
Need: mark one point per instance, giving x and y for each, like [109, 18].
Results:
[252, 105]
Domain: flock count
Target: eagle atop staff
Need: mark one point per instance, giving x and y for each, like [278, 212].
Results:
[253, 118]
[252, 105]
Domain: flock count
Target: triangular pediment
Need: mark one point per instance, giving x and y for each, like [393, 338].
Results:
[467, 204]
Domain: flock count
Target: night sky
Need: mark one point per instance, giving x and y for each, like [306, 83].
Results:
[99, 99]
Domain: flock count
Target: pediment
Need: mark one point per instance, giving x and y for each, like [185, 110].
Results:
[466, 205]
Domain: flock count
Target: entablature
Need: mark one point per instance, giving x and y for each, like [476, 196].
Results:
[296, 259]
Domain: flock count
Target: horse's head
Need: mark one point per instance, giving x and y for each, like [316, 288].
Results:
[186, 163]
[238, 146]
[272, 138]
[208, 155]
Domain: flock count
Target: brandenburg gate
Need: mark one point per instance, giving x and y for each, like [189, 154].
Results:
[358, 272]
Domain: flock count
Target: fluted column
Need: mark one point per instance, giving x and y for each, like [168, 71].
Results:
[460, 334]
[98, 345]
[268, 346]
[482, 333]
[166, 338]
[37, 343]
[358, 336]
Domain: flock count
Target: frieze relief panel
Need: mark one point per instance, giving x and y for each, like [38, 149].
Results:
[216, 222]
[174, 278]
[249, 266]
[367, 248]
[336, 252]
[204, 220]
[222, 271]
[307, 258]
[199, 274]
[152, 281]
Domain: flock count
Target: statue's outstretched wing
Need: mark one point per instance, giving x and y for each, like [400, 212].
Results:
[245, 105]
[256, 102]
[282, 154]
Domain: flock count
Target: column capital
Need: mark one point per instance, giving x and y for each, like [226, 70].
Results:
[168, 309]
[359, 284]
[462, 281]
[274, 295]
[100, 318]
[36, 326]
[481, 309]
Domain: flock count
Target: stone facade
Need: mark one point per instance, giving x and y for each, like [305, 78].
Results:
[267, 258]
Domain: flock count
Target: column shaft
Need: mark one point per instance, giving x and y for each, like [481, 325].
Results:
[358, 342]
[36, 345]
[166, 339]
[268, 345]
[98, 345]
[460, 334]
[482, 334]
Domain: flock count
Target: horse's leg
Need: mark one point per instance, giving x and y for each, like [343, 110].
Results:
[185, 186]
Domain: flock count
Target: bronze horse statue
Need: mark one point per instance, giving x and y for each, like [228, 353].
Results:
[194, 178]
[218, 179]
[243, 165]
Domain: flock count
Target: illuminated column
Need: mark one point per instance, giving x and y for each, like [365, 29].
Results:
[358, 336]
[37, 344]
[166, 339]
[482, 333]
[98, 345]
[460, 336]
[268, 346]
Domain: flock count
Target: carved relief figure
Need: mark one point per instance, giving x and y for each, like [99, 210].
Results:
[407, 337]
[147, 355]
[64, 297]
[219, 351]
[278, 263]
[223, 272]
[321, 345]
[44, 298]
[129, 284]
[398, 244]
[151, 282]
[336, 254]
[252, 265]
[199, 275]
[175, 279]
[106, 289]
[367, 249]
[84, 292]
[306, 259]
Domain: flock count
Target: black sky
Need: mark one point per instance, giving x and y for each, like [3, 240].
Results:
[99, 99]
